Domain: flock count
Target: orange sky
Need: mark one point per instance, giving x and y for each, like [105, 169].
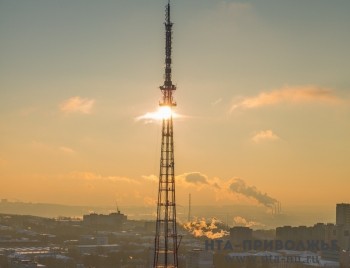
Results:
[263, 102]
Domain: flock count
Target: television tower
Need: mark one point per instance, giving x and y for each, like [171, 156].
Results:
[165, 242]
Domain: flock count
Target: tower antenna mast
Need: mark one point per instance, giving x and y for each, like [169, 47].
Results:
[165, 242]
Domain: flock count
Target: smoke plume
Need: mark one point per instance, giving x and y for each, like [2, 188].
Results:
[240, 187]
[204, 228]
[240, 221]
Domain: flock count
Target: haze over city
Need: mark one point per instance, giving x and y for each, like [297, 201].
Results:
[263, 102]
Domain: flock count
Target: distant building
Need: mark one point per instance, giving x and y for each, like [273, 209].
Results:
[330, 255]
[299, 233]
[320, 231]
[264, 234]
[149, 226]
[199, 258]
[343, 225]
[238, 234]
[345, 259]
[343, 214]
[93, 240]
[111, 221]
[343, 236]
[331, 233]
[93, 249]
[23, 263]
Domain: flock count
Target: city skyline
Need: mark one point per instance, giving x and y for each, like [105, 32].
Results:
[263, 93]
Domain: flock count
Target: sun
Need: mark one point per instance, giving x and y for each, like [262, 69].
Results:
[163, 113]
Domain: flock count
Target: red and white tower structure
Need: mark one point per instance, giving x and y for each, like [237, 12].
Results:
[165, 242]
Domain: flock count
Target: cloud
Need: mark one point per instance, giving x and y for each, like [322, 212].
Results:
[163, 112]
[264, 135]
[225, 189]
[66, 150]
[50, 148]
[90, 176]
[216, 188]
[239, 186]
[232, 11]
[293, 95]
[149, 201]
[77, 105]
[216, 102]
[152, 178]
[196, 178]
[149, 117]
[216, 185]
[235, 7]
[240, 221]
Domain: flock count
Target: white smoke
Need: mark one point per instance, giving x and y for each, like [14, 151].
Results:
[240, 221]
[239, 186]
[204, 228]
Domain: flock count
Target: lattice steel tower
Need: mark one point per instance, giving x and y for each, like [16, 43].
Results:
[165, 243]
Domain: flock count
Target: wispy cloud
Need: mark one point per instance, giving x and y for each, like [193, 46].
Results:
[51, 148]
[194, 179]
[163, 112]
[265, 135]
[149, 117]
[240, 221]
[298, 94]
[216, 102]
[66, 150]
[105, 186]
[232, 189]
[216, 189]
[152, 178]
[234, 10]
[77, 105]
[90, 176]
[149, 201]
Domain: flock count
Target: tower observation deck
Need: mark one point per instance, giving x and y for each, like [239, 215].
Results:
[165, 242]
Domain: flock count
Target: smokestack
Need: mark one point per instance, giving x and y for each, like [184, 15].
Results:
[189, 208]
[280, 207]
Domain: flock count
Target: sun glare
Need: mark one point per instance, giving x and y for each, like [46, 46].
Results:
[163, 112]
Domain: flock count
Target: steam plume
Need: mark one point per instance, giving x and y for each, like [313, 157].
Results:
[203, 228]
[240, 221]
[240, 187]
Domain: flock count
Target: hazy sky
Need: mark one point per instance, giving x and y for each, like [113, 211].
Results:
[263, 90]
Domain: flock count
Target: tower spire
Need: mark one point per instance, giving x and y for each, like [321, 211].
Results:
[168, 47]
[165, 242]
